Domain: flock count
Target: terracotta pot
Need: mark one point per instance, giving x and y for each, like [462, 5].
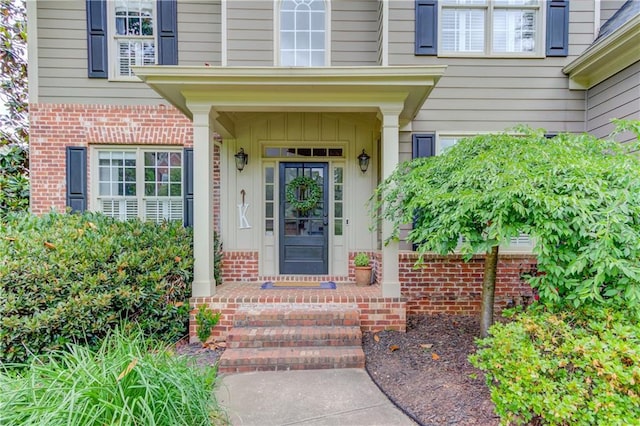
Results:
[363, 276]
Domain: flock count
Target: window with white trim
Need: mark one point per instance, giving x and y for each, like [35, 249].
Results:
[302, 33]
[491, 27]
[142, 183]
[134, 35]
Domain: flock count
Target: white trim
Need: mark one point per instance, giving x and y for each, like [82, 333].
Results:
[224, 37]
[385, 33]
[32, 51]
[597, 15]
[277, 4]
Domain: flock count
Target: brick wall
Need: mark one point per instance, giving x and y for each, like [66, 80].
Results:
[447, 284]
[53, 127]
[240, 266]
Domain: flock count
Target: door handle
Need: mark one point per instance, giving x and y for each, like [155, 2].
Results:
[325, 220]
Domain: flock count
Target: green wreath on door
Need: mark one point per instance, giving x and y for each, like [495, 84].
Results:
[308, 189]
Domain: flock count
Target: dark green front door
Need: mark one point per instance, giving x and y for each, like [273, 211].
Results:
[304, 232]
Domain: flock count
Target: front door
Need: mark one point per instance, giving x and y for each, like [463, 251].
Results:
[304, 218]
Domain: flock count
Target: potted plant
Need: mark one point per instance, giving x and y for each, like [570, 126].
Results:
[362, 269]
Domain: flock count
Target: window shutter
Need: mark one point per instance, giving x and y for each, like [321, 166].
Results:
[167, 32]
[558, 28]
[97, 38]
[77, 178]
[426, 21]
[187, 189]
[424, 145]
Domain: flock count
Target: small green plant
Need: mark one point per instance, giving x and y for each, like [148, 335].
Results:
[205, 320]
[566, 368]
[129, 380]
[361, 259]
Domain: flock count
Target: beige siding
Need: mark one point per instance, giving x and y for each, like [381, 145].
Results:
[354, 32]
[250, 33]
[616, 97]
[608, 8]
[199, 32]
[62, 53]
[493, 94]
[380, 31]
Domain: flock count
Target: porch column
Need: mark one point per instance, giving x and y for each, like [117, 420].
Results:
[390, 158]
[204, 283]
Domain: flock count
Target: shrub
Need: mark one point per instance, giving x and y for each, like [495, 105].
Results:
[14, 179]
[127, 381]
[205, 321]
[72, 278]
[577, 368]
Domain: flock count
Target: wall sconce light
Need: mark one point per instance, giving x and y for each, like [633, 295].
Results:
[363, 161]
[242, 159]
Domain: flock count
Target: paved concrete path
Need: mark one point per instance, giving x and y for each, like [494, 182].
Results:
[310, 397]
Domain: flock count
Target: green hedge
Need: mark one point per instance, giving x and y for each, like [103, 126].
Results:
[569, 368]
[72, 278]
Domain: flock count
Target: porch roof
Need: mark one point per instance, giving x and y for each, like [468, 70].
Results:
[346, 89]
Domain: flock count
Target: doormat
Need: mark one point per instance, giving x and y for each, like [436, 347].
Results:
[312, 285]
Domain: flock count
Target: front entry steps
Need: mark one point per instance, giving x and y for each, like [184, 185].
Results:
[283, 336]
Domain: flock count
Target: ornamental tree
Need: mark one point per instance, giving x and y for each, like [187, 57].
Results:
[578, 197]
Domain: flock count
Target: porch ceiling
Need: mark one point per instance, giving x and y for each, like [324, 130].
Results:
[338, 89]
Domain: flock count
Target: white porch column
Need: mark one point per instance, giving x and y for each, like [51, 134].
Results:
[390, 158]
[204, 283]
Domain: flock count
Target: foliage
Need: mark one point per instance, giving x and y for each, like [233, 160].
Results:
[361, 259]
[14, 133]
[576, 195]
[205, 321]
[13, 75]
[577, 368]
[217, 258]
[303, 193]
[72, 278]
[127, 381]
[14, 180]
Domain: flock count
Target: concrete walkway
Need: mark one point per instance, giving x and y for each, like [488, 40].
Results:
[307, 397]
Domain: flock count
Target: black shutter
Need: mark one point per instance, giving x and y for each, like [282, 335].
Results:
[187, 189]
[426, 27]
[424, 145]
[77, 178]
[97, 38]
[167, 32]
[557, 27]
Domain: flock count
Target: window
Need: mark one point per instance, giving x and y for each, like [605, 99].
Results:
[302, 33]
[491, 27]
[140, 183]
[134, 35]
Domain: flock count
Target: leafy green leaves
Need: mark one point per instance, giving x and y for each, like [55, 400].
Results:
[72, 278]
[578, 197]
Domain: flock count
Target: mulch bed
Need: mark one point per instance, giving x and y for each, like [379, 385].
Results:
[424, 371]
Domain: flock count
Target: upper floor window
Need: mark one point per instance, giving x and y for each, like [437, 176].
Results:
[302, 33]
[491, 26]
[134, 35]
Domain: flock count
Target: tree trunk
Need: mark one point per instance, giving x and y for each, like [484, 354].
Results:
[488, 290]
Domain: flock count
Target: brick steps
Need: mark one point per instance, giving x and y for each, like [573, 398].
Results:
[265, 337]
[293, 337]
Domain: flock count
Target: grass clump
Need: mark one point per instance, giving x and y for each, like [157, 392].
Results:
[128, 380]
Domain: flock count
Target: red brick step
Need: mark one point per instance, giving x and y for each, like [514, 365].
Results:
[262, 337]
[290, 358]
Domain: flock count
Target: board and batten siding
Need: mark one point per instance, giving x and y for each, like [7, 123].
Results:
[483, 94]
[354, 32]
[616, 97]
[62, 53]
